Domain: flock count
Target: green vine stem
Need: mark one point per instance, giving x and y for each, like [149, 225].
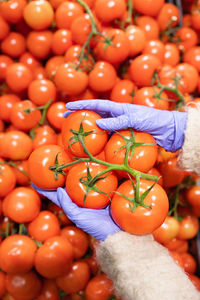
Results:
[14, 165]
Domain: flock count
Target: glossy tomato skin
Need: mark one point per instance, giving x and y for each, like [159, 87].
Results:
[54, 257]
[193, 196]
[94, 142]
[17, 254]
[39, 162]
[7, 102]
[123, 91]
[189, 226]
[44, 136]
[44, 226]
[167, 231]
[55, 114]
[49, 290]
[142, 220]
[7, 180]
[99, 287]
[2, 283]
[189, 263]
[76, 190]
[147, 96]
[144, 157]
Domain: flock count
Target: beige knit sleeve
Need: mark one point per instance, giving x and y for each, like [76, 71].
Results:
[189, 157]
[142, 269]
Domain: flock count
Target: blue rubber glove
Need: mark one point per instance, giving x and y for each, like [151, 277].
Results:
[96, 222]
[167, 127]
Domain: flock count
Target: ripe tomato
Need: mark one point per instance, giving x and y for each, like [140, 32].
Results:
[189, 263]
[168, 16]
[17, 253]
[4, 28]
[54, 257]
[171, 54]
[99, 287]
[52, 65]
[39, 162]
[148, 96]
[49, 290]
[148, 7]
[39, 43]
[2, 284]
[21, 173]
[5, 61]
[103, 77]
[76, 279]
[25, 286]
[154, 171]
[149, 26]
[189, 227]
[94, 142]
[155, 47]
[192, 57]
[177, 258]
[13, 45]
[12, 10]
[167, 231]
[66, 12]
[29, 60]
[143, 68]
[70, 80]
[78, 239]
[44, 135]
[6, 104]
[58, 211]
[61, 41]
[193, 195]
[180, 246]
[55, 114]
[77, 190]
[142, 220]
[137, 39]
[16, 145]
[7, 180]
[44, 226]
[22, 205]
[144, 156]
[38, 14]
[107, 10]
[187, 38]
[123, 91]
[18, 77]
[40, 91]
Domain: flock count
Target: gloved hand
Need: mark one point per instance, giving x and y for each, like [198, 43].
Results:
[167, 127]
[96, 222]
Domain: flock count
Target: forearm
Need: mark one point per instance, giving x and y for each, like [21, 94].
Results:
[189, 157]
[142, 269]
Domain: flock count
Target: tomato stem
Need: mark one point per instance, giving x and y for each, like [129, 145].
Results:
[14, 165]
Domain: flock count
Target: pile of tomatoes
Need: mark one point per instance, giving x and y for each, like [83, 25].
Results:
[57, 51]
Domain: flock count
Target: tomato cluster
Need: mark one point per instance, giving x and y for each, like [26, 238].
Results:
[57, 51]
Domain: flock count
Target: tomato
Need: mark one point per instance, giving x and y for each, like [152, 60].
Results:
[148, 7]
[7, 180]
[18, 77]
[22, 205]
[5, 61]
[190, 76]
[6, 104]
[99, 287]
[4, 28]
[61, 41]
[195, 280]
[17, 254]
[193, 195]
[25, 286]
[170, 172]
[144, 156]
[40, 91]
[2, 284]
[155, 172]
[180, 246]
[21, 172]
[12, 10]
[168, 16]
[39, 43]
[103, 77]
[171, 54]
[94, 142]
[156, 48]
[189, 227]
[76, 279]
[189, 263]
[77, 190]
[149, 26]
[58, 211]
[25, 115]
[177, 258]
[107, 10]
[55, 114]
[39, 162]
[148, 96]
[118, 50]
[69, 80]
[77, 238]
[54, 257]
[143, 68]
[44, 226]
[29, 60]
[52, 65]
[167, 231]
[142, 220]
[16, 145]
[93, 264]
[137, 39]
[123, 91]
[191, 57]
[49, 290]
[66, 12]
[187, 38]
[195, 16]
[44, 135]
[13, 45]
[38, 14]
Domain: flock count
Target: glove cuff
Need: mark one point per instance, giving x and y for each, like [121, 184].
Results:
[189, 157]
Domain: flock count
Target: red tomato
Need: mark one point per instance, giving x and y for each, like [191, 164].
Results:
[107, 10]
[17, 253]
[189, 226]
[144, 156]
[142, 220]
[39, 43]
[189, 263]
[123, 91]
[44, 226]
[148, 96]
[39, 162]
[61, 41]
[49, 290]
[149, 26]
[21, 172]
[7, 180]
[76, 279]
[78, 239]
[40, 91]
[58, 211]
[94, 198]
[44, 136]
[94, 142]
[148, 7]
[5, 61]
[193, 196]
[54, 257]
[55, 114]
[177, 245]
[6, 104]
[66, 12]
[13, 45]
[2, 284]
[167, 231]
[177, 258]
[99, 287]
[12, 10]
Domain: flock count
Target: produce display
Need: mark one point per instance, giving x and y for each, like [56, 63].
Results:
[142, 52]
